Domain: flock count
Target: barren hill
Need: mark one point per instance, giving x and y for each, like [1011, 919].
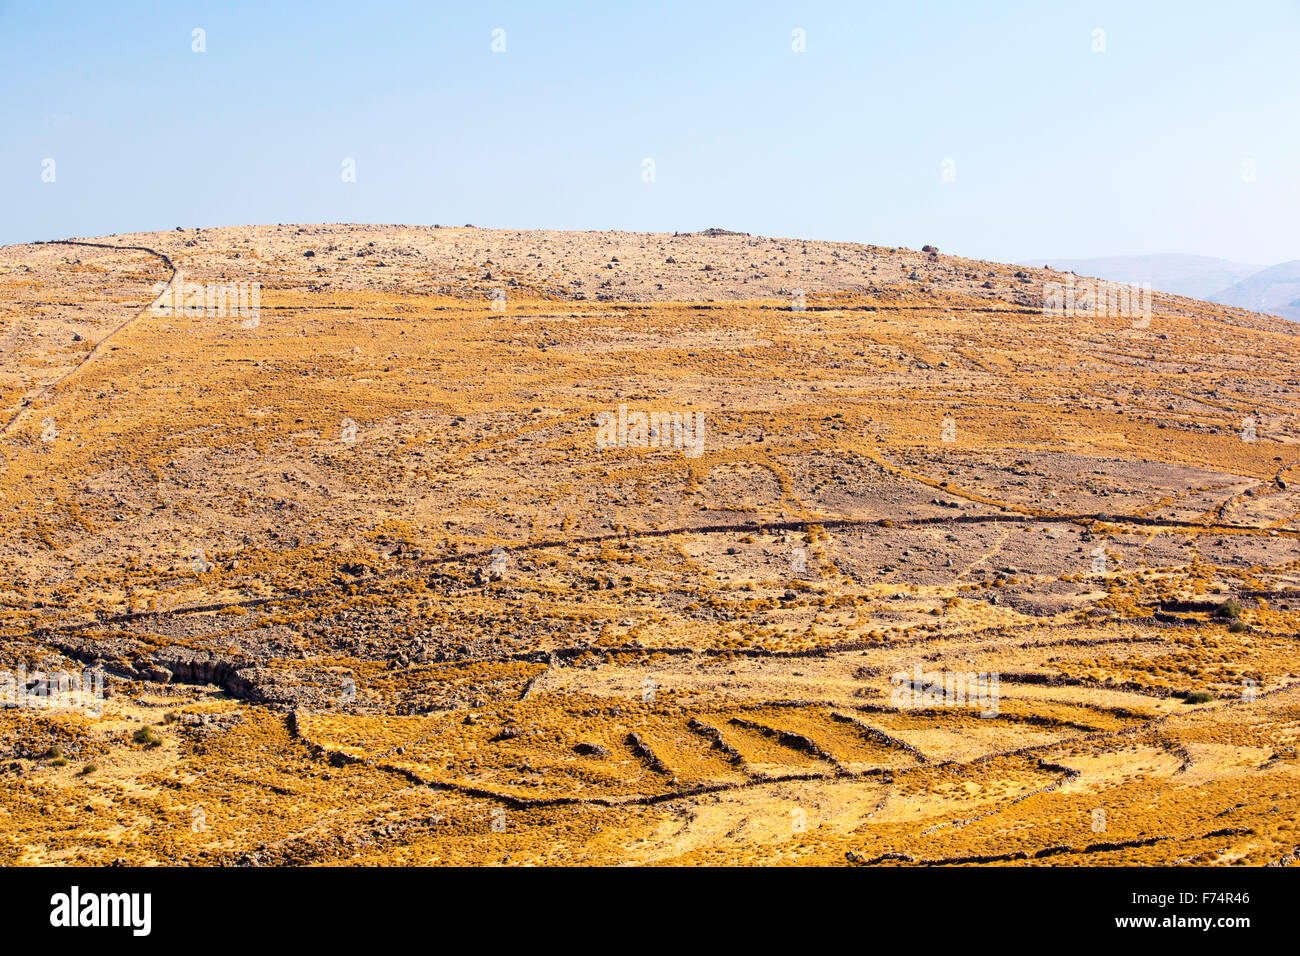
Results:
[465, 545]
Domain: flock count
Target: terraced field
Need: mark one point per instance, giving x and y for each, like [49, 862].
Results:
[937, 576]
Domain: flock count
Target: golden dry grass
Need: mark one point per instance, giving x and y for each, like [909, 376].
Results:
[472, 635]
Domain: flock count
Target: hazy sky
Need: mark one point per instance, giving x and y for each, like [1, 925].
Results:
[1182, 136]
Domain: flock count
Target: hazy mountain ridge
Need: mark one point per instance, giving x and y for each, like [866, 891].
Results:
[1273, 289]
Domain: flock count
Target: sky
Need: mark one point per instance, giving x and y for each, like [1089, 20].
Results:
[1004, 131]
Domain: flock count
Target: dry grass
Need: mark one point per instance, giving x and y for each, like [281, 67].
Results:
[472, 635]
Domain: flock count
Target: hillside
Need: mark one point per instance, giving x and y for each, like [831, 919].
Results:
[383, 569]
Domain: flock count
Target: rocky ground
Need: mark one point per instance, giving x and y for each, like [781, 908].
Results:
[363, 579]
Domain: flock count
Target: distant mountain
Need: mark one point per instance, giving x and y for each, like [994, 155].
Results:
[1199, 277]
[1275, 290]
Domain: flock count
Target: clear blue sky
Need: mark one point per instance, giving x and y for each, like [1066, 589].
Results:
[1058, 150]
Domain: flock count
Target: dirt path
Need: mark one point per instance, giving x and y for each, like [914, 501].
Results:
[48, 390]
